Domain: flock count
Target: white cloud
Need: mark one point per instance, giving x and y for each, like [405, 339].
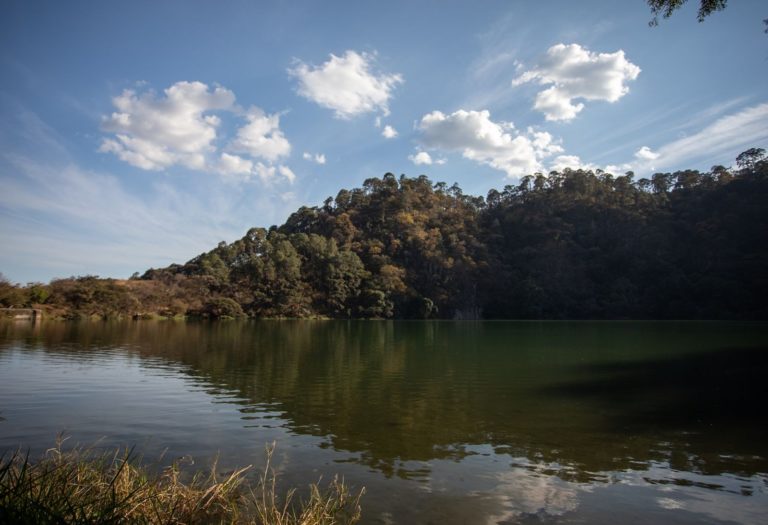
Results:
[422, 157]
[617, 169]
[264, 172]
[179, 127]
[496, 144]
[719, 142]
[261, 137]
[121, 226]
[267, 173]
[237, 169]
[543, 143]
[645, 153]
[153, 133]
[286, 172]
[95, 213]
[318, 158]
[493, 64]
[574, 162]
[346, 84]
[575, 73]
[234, 165]
[288, 197]
[389, 132]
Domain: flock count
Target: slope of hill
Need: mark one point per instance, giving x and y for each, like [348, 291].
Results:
[570, 245]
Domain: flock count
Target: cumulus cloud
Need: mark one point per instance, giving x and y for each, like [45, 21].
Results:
[389, 132]
[346, 84]
[575, 73]
[153, 133]
[180, 127]
[247, 171]
[420, 158]
[496, 144]
[318, 158]
[236, 169]
[616, 169]
[645, 153]
[574, 162]
[261, 137]
[234, 165]
[264, 172]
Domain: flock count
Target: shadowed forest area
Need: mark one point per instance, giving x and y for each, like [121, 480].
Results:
[574, 244]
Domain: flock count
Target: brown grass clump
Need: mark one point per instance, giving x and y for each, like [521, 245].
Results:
[81, 487]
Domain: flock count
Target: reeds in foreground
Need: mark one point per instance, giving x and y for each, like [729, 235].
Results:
[83, 487]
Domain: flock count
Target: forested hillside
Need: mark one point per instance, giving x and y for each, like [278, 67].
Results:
[568, 245]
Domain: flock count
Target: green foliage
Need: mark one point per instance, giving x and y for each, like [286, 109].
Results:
[90, 296]
[38, 293]
[570, 245]
[222, 308]
[10, 294]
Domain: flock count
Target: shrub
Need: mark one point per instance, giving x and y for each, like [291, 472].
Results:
[222, 308]
[81, 487]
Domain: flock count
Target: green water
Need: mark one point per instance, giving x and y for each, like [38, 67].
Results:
[442, 422]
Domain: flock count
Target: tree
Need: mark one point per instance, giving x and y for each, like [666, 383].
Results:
[10, 294]
[223, 308]
[661, 182]
[665, 8]
[569, 245]
[747, 160]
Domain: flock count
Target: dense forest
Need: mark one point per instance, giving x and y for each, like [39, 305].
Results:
[574, 244]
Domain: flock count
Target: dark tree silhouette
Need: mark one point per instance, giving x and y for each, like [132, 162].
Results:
[665, 8]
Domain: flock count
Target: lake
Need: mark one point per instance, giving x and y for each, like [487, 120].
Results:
[442, 422]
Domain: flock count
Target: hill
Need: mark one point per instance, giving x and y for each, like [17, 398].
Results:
[568, 245]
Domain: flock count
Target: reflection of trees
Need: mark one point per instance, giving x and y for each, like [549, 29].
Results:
[586, 397]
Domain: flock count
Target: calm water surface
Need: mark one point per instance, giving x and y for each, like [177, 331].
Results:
[442, 422]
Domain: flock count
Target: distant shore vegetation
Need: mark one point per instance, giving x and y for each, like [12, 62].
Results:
[572, 244]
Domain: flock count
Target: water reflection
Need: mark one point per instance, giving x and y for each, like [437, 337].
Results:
[525, 420]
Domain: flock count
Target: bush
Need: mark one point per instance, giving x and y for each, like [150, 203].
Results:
[222, 308]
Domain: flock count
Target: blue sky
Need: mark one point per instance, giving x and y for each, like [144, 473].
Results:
[137, 134]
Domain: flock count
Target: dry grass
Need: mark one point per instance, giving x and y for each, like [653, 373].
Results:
[82, 487]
